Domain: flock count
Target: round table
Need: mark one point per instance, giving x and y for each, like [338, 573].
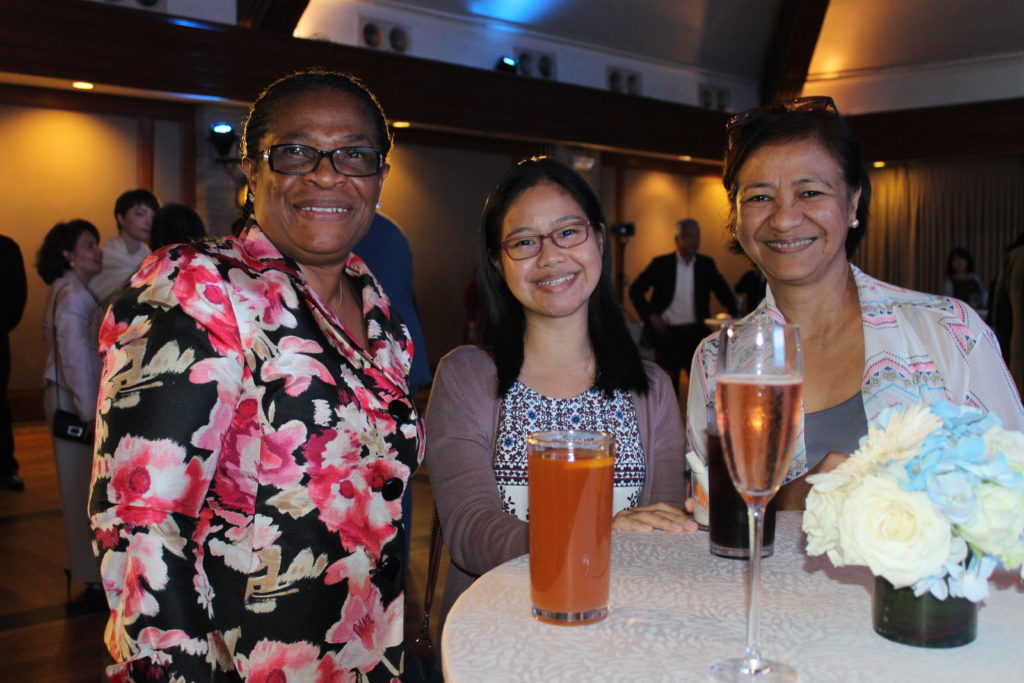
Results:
[675, 608]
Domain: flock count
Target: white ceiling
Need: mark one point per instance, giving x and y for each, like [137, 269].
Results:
[876, 54]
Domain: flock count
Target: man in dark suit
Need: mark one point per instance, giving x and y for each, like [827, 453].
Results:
[14, 290]
[681, 285]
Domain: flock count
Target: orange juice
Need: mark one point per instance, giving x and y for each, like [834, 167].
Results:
[570, 533]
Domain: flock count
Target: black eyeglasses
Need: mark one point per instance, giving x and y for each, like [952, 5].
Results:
[293, 159]
[529, 245]
[814, 103]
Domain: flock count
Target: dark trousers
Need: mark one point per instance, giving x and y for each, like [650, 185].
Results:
[8, 465]
[674, 352]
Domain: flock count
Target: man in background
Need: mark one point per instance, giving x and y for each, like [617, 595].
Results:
[124, 253]
[14, 290]
[681, 284]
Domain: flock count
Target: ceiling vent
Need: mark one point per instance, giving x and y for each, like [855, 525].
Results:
[624, 81]
[536, 64]
[383, 35]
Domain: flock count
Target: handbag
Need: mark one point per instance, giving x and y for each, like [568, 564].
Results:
[66, 425]
[421, 667]
[69, 427]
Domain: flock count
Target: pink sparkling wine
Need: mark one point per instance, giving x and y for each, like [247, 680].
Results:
[758, 418]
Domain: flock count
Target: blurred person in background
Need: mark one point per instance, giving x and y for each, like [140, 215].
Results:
[69, 258]
[122, 254]
[175, 224]
[12, 304]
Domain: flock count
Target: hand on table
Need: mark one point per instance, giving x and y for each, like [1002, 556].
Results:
[658, 516]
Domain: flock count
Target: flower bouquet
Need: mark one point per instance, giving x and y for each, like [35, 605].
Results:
[932, 501]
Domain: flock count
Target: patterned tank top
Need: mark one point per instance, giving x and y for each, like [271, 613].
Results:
[523, 411]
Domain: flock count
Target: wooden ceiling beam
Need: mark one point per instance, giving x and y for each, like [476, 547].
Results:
[791, 49]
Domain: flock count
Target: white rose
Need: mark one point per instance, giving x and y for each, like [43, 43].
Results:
[1010, 444]
[996, 524]
[897, 533]
[821, 523]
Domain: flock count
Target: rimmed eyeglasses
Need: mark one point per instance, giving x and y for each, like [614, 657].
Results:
[812, 103]
[295, 159]
[529, 245]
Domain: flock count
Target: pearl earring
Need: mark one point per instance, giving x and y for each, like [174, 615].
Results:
[855, 224]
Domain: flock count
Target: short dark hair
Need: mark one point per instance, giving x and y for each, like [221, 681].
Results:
[961, 253]
[133, 198]
[502, 322]
[50, 261]
[175, 224]
[825, 126]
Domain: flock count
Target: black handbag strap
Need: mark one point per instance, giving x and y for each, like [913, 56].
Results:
[423, 641]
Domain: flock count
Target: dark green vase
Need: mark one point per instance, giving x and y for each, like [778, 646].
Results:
[923, 621]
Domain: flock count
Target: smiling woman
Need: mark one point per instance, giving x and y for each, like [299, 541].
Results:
[800, 195]
[557, 355]
[256, 431]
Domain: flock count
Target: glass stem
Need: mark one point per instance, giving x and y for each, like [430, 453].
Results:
[755, 517]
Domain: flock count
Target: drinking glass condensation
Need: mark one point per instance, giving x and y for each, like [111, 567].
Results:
[758, 390]
[570, 483]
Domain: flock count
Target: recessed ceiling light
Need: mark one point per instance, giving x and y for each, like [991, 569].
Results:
[82, 85]
[400, 124]
[685, 157]
[879, 164]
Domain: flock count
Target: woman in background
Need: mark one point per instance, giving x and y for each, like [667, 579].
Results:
[69, 258]
[556, 354]
[799, 194]
[963, 283]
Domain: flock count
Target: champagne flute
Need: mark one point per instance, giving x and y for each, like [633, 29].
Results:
[759, 387]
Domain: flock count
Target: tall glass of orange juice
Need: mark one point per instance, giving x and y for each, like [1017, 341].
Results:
[570, 475]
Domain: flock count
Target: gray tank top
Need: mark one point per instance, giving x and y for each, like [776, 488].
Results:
[838, 428]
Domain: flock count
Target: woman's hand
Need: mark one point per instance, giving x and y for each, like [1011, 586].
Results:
[658, 516]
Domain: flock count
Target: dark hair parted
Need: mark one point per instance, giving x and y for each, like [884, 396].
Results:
[779, 127]
[502, 321]
[132, 198]
[50, 261]
[175, 224]
[959, 252]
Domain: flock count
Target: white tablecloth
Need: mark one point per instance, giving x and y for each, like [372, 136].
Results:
[675, 608]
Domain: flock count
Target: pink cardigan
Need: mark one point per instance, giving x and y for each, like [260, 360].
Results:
[461, 424]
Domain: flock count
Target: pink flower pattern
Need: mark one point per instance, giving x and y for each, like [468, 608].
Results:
[248, 476]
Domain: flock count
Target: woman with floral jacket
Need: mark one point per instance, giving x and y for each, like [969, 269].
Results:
[255, 432]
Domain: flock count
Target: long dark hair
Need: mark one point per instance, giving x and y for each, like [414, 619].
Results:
[50, 261]
[962, 253]
[502, 322]
[263, 109]
[826, 127]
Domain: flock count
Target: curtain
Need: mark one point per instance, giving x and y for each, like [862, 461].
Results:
[922, 210]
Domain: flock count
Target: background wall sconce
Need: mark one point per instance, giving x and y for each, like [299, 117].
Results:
[224, 138]
[507, 64]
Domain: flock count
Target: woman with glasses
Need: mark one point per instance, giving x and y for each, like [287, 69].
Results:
[799, 194]
[555, 354]
[255, 430]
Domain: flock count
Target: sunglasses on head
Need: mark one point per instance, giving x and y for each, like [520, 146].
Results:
[814, 103]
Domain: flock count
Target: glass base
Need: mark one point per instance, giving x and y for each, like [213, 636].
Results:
[922, 621]
[740, 553]
[570, 618]
[741, 670]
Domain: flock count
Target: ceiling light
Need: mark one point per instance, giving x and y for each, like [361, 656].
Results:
[400, 124]
[82, 85]
[879, 164]
[507, 64]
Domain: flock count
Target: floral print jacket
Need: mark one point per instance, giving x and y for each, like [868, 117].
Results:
[249, 468]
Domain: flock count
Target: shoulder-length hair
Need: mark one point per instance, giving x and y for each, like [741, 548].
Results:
[50, 261]
[502, 322]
